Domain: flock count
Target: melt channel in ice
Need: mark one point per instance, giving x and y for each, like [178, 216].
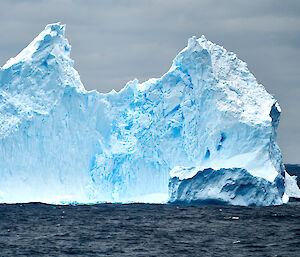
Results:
[60, 143]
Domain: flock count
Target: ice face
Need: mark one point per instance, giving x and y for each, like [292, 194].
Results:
[61, 143]
[234, 186]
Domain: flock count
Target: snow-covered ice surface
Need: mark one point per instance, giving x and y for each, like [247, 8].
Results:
[61, 143]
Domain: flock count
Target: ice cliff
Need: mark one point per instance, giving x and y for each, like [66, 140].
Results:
[61, 143]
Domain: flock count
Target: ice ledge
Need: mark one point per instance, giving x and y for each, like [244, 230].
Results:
[236, 186]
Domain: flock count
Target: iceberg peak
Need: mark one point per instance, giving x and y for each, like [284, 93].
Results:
[57, 26]
[50, 43]
[45, 72]
[195, 43]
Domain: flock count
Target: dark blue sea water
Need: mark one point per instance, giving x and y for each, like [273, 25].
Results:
[149, 230]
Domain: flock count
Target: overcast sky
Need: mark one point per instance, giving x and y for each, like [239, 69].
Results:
[116, 41]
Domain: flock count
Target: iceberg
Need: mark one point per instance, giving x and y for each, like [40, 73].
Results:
[60, 143]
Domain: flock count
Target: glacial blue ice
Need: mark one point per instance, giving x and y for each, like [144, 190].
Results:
[229, 186]
[60, 143]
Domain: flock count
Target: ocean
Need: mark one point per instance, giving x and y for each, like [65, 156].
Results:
[37, 229]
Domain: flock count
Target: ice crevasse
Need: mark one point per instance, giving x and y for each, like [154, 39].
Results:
[204, 130]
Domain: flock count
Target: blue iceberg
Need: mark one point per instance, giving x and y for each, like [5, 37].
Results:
[60, 143]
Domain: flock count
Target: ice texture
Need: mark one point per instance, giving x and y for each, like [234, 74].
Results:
[233, 186]
[291, 187]
[62, 143]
